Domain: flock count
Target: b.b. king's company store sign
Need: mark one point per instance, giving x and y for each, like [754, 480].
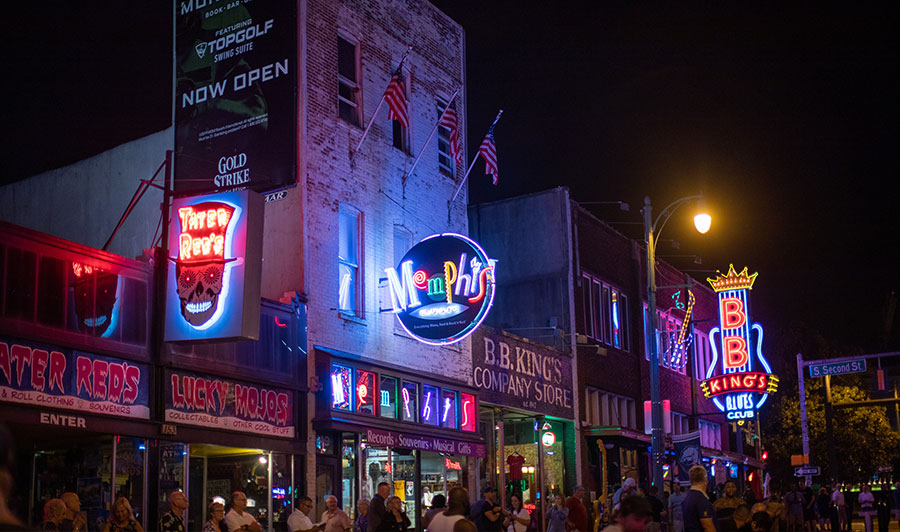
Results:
[216, 402]
[512, 372]
[742, 382]
[444, 288]
[50, 376]
[214, 277]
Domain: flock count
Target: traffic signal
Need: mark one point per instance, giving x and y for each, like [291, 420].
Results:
[765, 456]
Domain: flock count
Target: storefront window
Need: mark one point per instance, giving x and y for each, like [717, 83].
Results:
[388, 397]
[172, 459]
[217, 471]
[403, 462]
[349, 465]
[430, 399]
[409, 393]
[448, 409]
[341, 388]
[469, 421]
[366, 392]
[439, 474]
[131, 456]
[80, 466]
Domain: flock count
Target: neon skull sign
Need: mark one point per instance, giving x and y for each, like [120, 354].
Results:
[200, 266]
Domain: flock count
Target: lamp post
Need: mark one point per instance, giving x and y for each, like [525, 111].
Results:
[652, 228]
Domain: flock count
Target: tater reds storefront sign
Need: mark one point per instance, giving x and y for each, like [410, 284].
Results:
[49, 376]
[512, 372]
[214, 275]
[210, 401]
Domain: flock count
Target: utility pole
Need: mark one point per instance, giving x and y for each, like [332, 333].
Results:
[804, 428]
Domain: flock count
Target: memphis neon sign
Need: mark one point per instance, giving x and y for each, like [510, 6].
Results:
[736, 386]
[443, 290]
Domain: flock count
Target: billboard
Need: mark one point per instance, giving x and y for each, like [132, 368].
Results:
[443, 290]
[235, 95]
[213, 279]
[53, 377]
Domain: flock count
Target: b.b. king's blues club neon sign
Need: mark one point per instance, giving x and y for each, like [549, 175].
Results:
[742, 382]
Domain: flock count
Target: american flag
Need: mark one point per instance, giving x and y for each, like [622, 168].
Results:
[450, 121]
[396, 98]
[488, 150]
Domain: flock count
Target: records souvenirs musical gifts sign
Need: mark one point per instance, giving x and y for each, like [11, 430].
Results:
[215, 258]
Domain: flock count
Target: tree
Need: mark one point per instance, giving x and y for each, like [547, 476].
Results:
[863, 437]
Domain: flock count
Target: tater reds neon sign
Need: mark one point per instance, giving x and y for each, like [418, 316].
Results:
[736, 388]
[443, 290]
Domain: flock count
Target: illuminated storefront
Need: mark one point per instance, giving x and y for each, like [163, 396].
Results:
[374, 424]
[526, 413]
[79, 389]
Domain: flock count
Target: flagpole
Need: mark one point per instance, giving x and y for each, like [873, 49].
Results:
[471, 165]
[380, 103]
[433, 130]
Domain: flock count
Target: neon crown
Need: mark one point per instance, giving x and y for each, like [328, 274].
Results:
[732, 280]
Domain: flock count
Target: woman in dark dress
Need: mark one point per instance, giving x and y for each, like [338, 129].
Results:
[395, 519]
[823, 509]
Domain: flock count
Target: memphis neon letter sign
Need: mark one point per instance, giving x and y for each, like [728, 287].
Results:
[735, 386]
[443, 290]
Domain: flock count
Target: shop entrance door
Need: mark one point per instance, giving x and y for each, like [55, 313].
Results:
[327, 482]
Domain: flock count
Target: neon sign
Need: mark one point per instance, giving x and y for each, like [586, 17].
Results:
[735, 386]
[430, 409]
[409, 392]
[366, 392]
[548, 439]
[467, 412]
[450, 464]
[213, 279]
[676, 355]
[444, 288]
[341, 377]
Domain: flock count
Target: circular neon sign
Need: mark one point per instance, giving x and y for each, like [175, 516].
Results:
[442, 289]
[548, 439]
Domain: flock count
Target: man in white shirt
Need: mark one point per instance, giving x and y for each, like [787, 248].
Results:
[457, 508]
[237, 519]
[837, 498]
[299, 520]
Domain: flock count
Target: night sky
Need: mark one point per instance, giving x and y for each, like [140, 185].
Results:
[787, 120]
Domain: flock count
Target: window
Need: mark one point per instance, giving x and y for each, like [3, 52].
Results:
[446, 162]
[605, 313]
[400, 134]
[349, 287]
[349, 105]
[409, 395]
[606, 409]
[710, 434]
[388, 397]
[703, 355]
[680, 423]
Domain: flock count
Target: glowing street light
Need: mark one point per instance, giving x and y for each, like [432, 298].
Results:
[652, 229]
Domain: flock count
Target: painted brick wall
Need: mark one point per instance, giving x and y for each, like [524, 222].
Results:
[372, 181]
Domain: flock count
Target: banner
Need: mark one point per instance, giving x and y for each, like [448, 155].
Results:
[221, 403]
[687, 454]
[235, 95]
[50, 376]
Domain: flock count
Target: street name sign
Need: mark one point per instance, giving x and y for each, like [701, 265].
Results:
[837, 368]
[806, 471]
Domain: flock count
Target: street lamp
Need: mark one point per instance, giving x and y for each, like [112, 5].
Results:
[652, 229]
